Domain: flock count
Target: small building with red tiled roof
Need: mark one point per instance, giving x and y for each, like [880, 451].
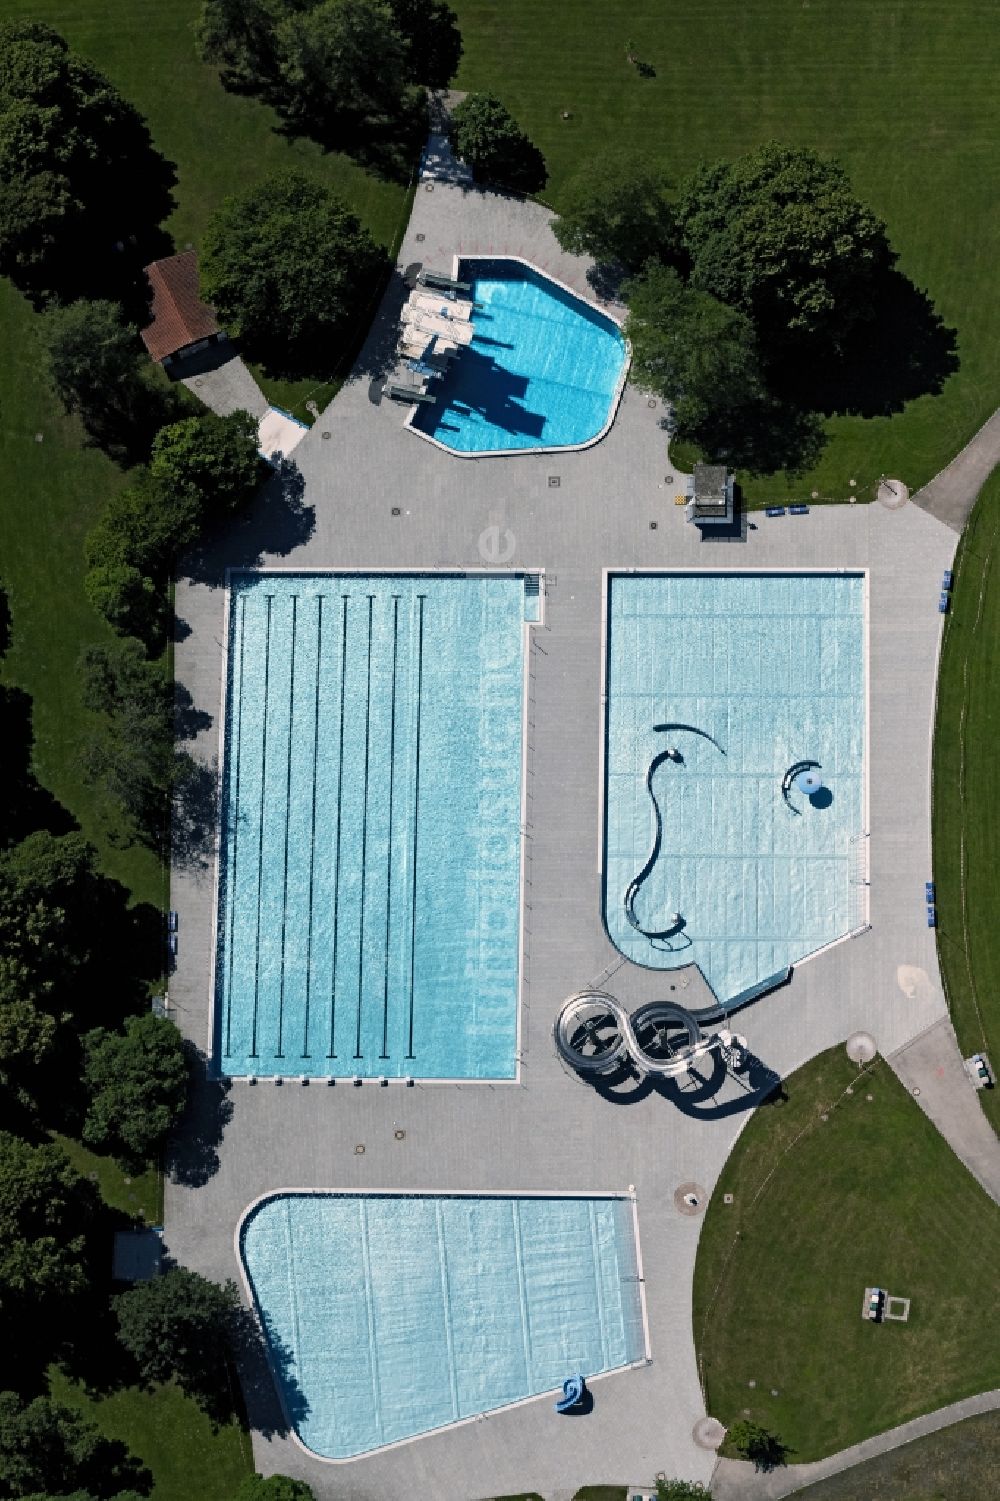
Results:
[180, 322]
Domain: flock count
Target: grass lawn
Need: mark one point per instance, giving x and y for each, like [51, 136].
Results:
[872, 1196]
[958, 1464]
[170, 1434]
[966, 813]
[140, 1196]
[54, 490]
[903, 93]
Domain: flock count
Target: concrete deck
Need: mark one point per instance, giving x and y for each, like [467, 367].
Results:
[551, 1132]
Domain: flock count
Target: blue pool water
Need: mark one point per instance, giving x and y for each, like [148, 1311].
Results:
[751, 675]
[542, 371]
[369, 901]
[388, 1315]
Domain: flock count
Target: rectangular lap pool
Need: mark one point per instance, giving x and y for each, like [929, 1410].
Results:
[390, 1315]
[370, 849]
[734, 811]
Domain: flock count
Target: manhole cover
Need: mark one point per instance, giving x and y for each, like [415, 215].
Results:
[729, 1198]
[651, 402]
[399, 1134]
[359, 1150]
[690, 1198]
[653, 525]
[396, 511]
[554, 482]
[420, 239]
[324, 435]
[428, 187]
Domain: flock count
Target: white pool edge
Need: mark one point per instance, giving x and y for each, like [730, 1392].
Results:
[415, 1193]
[541, 448]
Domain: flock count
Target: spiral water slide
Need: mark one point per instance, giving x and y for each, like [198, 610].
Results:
[595, 1035]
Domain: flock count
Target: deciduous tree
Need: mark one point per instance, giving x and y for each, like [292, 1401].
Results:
[618, 210]
[46, 1447]
[45, 1212]
[136, 1081]
[690, 349]
[485, 135]
[179, 1327]
[289, 269]
[216, 458]
[780, 234]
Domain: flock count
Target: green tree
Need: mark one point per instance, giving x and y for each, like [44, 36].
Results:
[289, 270]
[130, 551]
[180, 1327]
[681, 1490]
[274, 1488]
[780, 235]
[216, 458]
[690, 349]
[77, 168]
[128, 600]
[758, 1444]
[46, 1447]
[486, 136]
[344, 69]
[45, 1212]
[137, 1082]
[618, 211]
[238, 37]
[101, 373]
[434, 42]
[132, 752]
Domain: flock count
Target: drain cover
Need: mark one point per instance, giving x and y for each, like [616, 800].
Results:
[554, 481]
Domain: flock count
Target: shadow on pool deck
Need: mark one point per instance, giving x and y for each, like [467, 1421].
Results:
[695, 1094]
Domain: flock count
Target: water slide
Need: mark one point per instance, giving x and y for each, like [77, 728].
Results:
[595, 1035]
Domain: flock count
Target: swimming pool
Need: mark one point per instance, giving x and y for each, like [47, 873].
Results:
[723, 690]
[544, 370]
[368, 919]
[390, 1315]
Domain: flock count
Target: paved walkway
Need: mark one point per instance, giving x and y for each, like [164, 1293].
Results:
[932, 1064]
[952, 493]
[735, 1480]
[372, 494]
[219, 378]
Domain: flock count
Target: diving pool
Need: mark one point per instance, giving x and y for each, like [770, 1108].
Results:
[368, 917]
[545, 369]
[391, 1315]
[722, 690]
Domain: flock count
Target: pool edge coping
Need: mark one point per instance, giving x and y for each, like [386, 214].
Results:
[539, 449]
[633, 570]
[628, 1194]
[214, 1071]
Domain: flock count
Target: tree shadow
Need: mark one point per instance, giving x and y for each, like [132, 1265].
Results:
[273, 1397]
[191, 1156]
[378, 354]
[26, 805]
[189, 721]
[765, 435]
[194, 813]
[276, 523]
[903, 351]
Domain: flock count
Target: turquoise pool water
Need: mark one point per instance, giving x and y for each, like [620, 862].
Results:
[543, 369]
[391, 1315]
[746, 676]
[369, 891]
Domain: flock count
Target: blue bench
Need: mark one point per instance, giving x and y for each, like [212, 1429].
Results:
[931, 916]
[943, 604]
[798, 510]
[929, 892]
[775, 511]
[946, 581]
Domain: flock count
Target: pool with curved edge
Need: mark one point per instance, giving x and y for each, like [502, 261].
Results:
[545, 369]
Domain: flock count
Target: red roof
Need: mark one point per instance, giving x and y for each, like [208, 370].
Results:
[178, 315]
